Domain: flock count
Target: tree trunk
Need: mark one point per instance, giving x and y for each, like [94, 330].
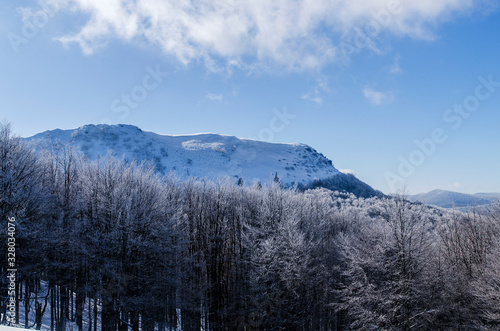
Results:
[108, 316]
[90, 314]
[134, 320]
[38, 315]
[80, 303]
[27, 296]
[95, 314]
[17, 301]
[123, 325]
[52, 306]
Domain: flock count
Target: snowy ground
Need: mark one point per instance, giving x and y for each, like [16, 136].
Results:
[46, 316]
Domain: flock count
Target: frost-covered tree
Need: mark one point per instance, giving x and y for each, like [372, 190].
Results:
[470, 250]
[388, 281]
[110, 243]
[21, 198]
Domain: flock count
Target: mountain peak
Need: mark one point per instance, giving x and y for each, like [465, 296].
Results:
[209, 155]
[202, 155]
[106, 127]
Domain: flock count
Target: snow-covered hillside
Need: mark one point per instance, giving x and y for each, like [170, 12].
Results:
[208, 155]
[455, 200]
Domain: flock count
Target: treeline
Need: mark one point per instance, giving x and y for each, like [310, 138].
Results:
[120, 248]
[343, 183]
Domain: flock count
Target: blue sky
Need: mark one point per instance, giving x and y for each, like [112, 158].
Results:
[403, 94]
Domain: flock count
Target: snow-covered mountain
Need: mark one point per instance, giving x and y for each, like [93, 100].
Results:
[207, 155]
[459, 201]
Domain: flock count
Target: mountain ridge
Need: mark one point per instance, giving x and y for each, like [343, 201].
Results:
[455, 200]
[209, 155]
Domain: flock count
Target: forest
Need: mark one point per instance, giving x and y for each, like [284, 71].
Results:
[113, 246]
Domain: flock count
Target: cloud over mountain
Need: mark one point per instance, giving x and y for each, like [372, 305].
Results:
[295, 35]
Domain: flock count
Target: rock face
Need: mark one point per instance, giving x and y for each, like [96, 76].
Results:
[206, 155]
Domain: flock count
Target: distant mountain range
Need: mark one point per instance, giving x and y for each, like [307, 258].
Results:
[459, 201]
[210, 156]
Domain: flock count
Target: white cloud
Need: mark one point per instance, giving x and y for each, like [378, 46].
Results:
[294, 35]
[396, 68]
[378, 98]
[313, 95]
[214, 97]
[455, 186]
[348, 172]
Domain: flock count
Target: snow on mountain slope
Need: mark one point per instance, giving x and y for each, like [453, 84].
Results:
[450, 199]
[207, 155]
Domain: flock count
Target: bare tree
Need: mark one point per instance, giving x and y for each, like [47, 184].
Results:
[388, 274]
[21, 198]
